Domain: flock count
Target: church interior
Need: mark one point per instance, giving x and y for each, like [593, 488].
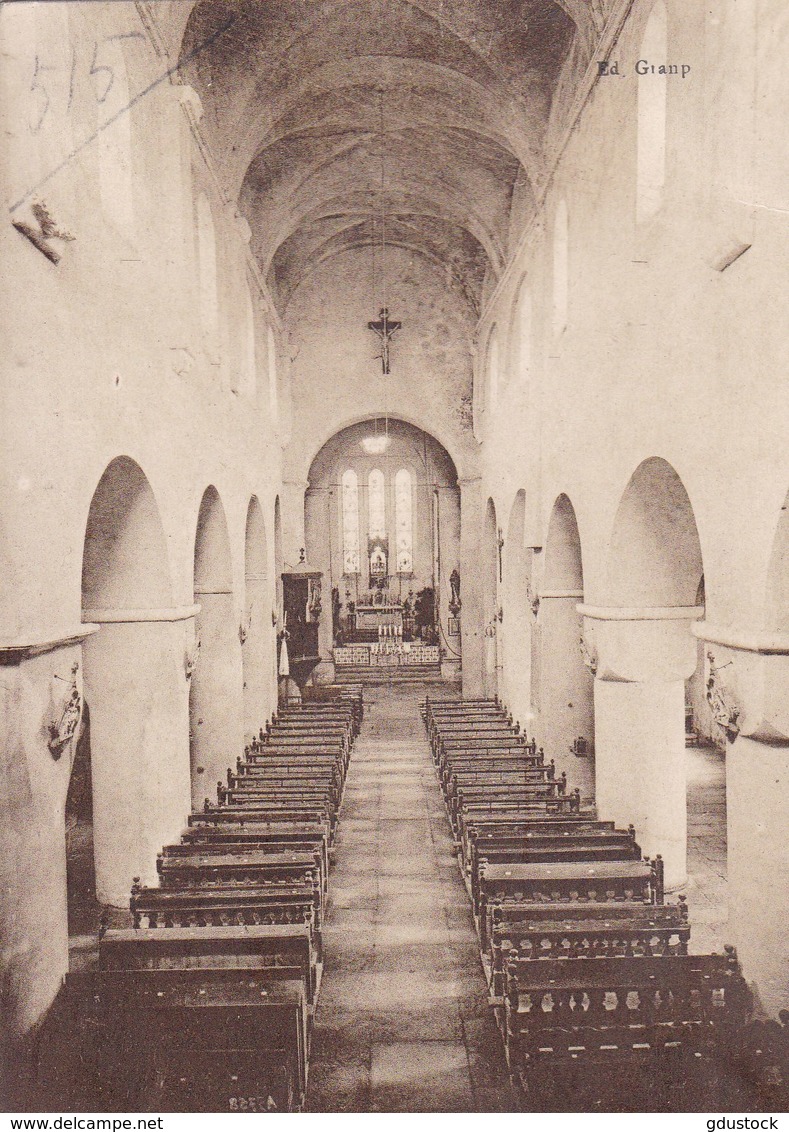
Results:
[394, 629]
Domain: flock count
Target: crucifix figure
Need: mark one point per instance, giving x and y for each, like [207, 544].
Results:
[386, 329]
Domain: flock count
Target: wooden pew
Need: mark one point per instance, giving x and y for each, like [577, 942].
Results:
[560, 850]
[585, 843]
[254, 947]
[189, 1040]
[216, 816]
[469, 787]
[603, 1017]
[285, 795]
[532, 931]
[235, 925]
[199, 866]
[273, 903]
[274, 854]
[257, 776]
[506, 794]
[298, 836]
[492, 761]
[516, 823]
[561, 885]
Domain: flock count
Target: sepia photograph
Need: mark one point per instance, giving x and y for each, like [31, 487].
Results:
[394, 559]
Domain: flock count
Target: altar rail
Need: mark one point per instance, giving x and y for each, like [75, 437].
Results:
[368, 655]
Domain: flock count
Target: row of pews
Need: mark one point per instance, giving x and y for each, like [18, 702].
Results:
[598, 1001]
[206, 1002]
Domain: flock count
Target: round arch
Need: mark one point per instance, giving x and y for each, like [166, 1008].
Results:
[654, 572]
[425, 534]
[428, 428]
[655, 557]
[215, 702]
[567, 685]
[124, 562]
[133, 682]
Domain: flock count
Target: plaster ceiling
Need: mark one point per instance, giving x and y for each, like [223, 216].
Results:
[320, 112]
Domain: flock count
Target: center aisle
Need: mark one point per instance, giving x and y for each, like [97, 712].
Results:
[403, 1023]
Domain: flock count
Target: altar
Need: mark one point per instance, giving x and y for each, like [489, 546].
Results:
[375, 617]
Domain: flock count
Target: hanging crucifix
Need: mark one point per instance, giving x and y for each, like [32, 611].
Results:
[386, 329]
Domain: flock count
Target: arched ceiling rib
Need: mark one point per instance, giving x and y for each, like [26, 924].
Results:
[301, 100]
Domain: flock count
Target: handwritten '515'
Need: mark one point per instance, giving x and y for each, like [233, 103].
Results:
[102, 73]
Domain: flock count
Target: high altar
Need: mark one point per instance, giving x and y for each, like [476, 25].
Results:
[375, 617]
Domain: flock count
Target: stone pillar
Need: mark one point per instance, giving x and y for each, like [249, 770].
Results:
[642, 658]
[747, 681]
[137, 690]
[216, 710]
[36, 678]
[472, 625]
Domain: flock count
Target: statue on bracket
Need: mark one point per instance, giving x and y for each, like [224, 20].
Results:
[63, 725]
[725, 713]
[454, 587]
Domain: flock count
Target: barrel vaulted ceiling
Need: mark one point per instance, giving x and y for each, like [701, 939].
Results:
[325, 113]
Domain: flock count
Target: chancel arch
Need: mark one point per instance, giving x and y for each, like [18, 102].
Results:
[133, 681]
[644, 652]
[382, 525]
[215, 699]
[566, 691]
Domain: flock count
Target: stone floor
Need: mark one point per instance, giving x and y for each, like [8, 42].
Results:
[706, 889]
[403, 1023]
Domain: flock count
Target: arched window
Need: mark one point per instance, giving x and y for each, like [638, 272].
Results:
[560, 268]
[377, 504]
[404, 522]
[206, 246]
[350, 522]
[652, 92]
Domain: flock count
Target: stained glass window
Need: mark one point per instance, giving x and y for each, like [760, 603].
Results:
[404, 522]
[350, 522]
[377, 504]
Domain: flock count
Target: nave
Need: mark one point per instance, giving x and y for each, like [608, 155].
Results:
[396, 1013]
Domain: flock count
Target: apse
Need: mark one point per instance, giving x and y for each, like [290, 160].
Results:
[382, 524]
